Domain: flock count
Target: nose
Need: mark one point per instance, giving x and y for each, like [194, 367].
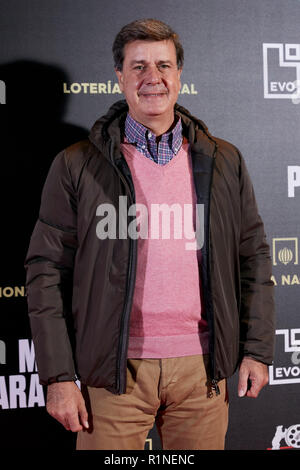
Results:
[153, 76]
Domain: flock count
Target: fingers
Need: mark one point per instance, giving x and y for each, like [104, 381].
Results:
[68, 418]
[83, 414]
[65, 403]
[257, 383]
[72, 420]
[73, 423]
[255, 373]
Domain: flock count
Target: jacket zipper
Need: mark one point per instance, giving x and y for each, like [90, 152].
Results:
[214, 381]
[123, 338]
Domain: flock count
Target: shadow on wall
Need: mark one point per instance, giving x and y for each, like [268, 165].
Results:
[32, 133]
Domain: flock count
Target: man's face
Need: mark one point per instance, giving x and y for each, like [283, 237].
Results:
[150, 79]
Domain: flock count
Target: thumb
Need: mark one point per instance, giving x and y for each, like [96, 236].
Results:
[83, 414]
[243, 382]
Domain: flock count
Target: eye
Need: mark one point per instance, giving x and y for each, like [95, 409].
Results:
[139, 67]
[164, 66]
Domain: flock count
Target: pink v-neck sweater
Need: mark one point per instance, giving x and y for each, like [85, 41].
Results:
[166, 316]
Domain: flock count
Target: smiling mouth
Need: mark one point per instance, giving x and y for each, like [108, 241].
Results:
[153, 94]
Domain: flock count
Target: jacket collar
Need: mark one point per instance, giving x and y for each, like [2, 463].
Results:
[107, 130]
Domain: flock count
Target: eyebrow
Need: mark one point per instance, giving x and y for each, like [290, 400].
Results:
[145, 62]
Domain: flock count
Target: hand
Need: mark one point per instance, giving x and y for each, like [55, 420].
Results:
[256, 372]
[66, 404]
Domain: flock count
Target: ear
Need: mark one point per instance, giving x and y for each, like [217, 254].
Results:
[120, 79]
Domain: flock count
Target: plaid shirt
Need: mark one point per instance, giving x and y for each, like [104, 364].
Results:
[145, 141]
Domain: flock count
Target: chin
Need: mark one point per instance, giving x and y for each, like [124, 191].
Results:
[155, 110]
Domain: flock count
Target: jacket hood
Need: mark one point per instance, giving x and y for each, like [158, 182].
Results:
[106, 135]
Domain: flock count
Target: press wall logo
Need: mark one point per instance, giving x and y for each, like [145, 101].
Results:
[111, 88]
[286, 369]
[285, 251]
[2, 352]
[290, 435]
[281, 68]
[12, 291]
[22, 389]
[285, 255]
[293, 174]
[2, 92]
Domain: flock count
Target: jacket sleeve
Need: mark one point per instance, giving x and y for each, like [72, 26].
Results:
[257, 318]
[49, 271]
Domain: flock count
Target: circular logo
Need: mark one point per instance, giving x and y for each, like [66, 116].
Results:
[285, 255]
[292, 436]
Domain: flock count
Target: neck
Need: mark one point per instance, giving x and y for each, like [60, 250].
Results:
[155, 124]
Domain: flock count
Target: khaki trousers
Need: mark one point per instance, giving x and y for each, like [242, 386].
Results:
[174, 393]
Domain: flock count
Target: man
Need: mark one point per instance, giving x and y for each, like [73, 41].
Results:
[155, 327]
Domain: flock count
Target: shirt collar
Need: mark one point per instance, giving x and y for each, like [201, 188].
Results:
[138, 134]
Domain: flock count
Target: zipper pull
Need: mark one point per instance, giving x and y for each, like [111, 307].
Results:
[215, 387]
